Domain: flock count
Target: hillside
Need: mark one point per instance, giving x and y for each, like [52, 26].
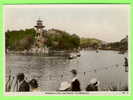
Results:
[55, 39]
[89, 42]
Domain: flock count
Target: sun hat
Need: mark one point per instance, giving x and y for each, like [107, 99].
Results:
[94, 81]
[64, 85]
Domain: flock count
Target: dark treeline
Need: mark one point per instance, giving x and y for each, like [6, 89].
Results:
[121, 45]
[55, 39]
[59, 40]
[93, 43]
[90, 43]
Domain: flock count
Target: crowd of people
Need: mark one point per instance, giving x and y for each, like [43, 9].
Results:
[21, 85]
[75, 84]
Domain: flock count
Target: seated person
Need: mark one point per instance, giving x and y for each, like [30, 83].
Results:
[65, 86]
[34, 86]
[75, 84]
[23, 85]
[92, 85]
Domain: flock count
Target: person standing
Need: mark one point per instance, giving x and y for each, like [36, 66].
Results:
[126, 62]
[75, 84]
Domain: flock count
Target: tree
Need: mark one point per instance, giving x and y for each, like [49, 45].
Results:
[14, 38]
[61, 40]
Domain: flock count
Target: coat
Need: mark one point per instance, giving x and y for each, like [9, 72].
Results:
[92, 87]
[24, 87]
[75, 85]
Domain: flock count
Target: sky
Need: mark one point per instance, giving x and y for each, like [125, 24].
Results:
[105, 22]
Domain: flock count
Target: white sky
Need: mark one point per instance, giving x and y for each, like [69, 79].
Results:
[105, 22]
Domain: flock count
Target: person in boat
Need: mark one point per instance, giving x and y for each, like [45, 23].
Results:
[23, 86]
[92, 85]
[75, 84]
[126, 62]
[34, 86]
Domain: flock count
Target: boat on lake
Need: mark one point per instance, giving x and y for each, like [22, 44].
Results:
[72, 56]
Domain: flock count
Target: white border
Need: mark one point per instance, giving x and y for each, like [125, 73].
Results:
[81, 93]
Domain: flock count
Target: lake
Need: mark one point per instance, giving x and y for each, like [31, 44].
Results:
[106, 66]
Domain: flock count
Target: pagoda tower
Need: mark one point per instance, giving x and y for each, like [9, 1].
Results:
[39, 38]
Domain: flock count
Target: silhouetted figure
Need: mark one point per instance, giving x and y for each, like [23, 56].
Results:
[75, 84]
[23, 86]
[126, 62]
[34, 85]
[61, 76]
[84, 73]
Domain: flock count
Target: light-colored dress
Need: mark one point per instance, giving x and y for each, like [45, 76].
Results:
[35, 90]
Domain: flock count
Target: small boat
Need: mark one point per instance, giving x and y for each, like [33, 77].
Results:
[78, 54]
[97, 51]
[72, 56]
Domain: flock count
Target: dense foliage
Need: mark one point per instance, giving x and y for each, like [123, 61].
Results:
[93, 43]
[19, 40]
[89, 42]
[24, 39]
[62, 40]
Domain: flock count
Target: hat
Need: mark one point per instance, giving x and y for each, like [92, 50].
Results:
[64, 85]
[20, 76]
[33, 83]
[94, 81]
[74, 71]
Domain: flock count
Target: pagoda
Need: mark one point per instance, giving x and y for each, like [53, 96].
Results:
[40, 38]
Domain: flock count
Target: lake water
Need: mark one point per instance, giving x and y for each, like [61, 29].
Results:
[106, 66]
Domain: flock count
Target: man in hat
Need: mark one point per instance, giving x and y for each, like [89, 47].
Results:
[75, 84]
[23, 86]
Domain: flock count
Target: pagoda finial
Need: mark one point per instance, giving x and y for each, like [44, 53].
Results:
[39, 24]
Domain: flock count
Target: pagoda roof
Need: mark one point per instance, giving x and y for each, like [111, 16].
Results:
[38, 26]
